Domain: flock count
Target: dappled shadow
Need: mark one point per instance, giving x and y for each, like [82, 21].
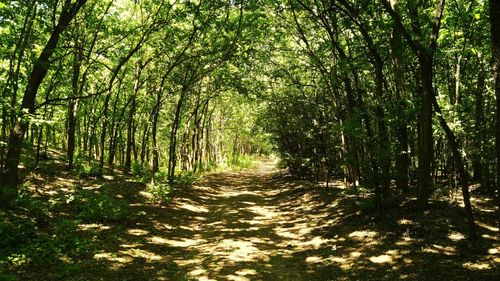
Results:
[260, 225]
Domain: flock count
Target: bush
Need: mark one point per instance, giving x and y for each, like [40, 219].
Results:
[93, 170]
[160, 192]
[16, 232]
[160, 176]
[243, 162]
[101, 207]
[137, 169]
[185, 178]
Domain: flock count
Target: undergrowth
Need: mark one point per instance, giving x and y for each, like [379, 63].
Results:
[29, 237]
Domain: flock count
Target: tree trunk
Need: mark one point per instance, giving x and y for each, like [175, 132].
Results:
[130, 120]
[401, 159]
[10, 177]
[477, 164]
[77, 59]
[154, 126]
[172, 155]
[425, 133]
[463, 174]
[495, 40]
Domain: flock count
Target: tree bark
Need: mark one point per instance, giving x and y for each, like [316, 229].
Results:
[425, 140]
[154, 128]
[77, 62]
[10, 177]
[461, 167]
[130, 120]
[495, 41]
[401, 159]
[172, 154]
[425, 56]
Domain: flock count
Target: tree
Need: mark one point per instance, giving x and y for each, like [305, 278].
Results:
[10, 177]
[495, 40]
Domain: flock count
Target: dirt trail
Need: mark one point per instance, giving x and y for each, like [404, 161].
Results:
[229, 226]
[257, 225]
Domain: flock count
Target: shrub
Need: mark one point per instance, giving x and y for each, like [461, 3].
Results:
[16, 232]
[185, 178]
[160, 176]
[92, 170]
[101, 207]
[137, 169]
[160, 192]
[243, 162]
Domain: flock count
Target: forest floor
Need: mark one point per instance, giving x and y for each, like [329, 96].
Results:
[259, 224]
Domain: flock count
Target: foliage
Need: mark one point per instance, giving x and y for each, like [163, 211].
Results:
[243, 161]
[184, 178]
[101, 207]
[160, 192]
[92, 170]
[28, 238]
[137, 169]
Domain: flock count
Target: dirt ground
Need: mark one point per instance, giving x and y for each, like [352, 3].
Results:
[259, 224]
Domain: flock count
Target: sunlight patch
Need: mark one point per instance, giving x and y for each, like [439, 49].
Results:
[137, 232]
[476, 266]
[337, 259]
[314, 259]
[197, 272]
[361, 234]
[112, 257]
[188, 262]
[446, 250]
[185, 242]
[456, 236]
[286, 233]
[264, 212]
[489, 227]
[316, 242]
[246, 271]
[381, 259]
[355, 254]
[238, 251]
[133, 245]
[405, 222]
[93, 226]
[146, 195]
[493, 251]
[193, 208]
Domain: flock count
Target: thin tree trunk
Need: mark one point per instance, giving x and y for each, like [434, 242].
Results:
[77, 59]
[130, 120]
[10, 177]
[495, 40]
[154, 126]
[463, 174]
[401, 158]
[172, 155]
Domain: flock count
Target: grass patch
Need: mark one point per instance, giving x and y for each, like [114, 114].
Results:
[243, 162]
[101, 207]
[160, 192]
[89, 170]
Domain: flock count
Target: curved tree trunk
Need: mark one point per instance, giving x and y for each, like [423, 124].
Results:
[10, 177]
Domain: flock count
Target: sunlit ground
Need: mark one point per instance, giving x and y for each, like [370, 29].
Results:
[256, 225]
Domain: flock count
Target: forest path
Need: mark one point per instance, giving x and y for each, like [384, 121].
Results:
[258, 224]
[245, 225]
[232, 226]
